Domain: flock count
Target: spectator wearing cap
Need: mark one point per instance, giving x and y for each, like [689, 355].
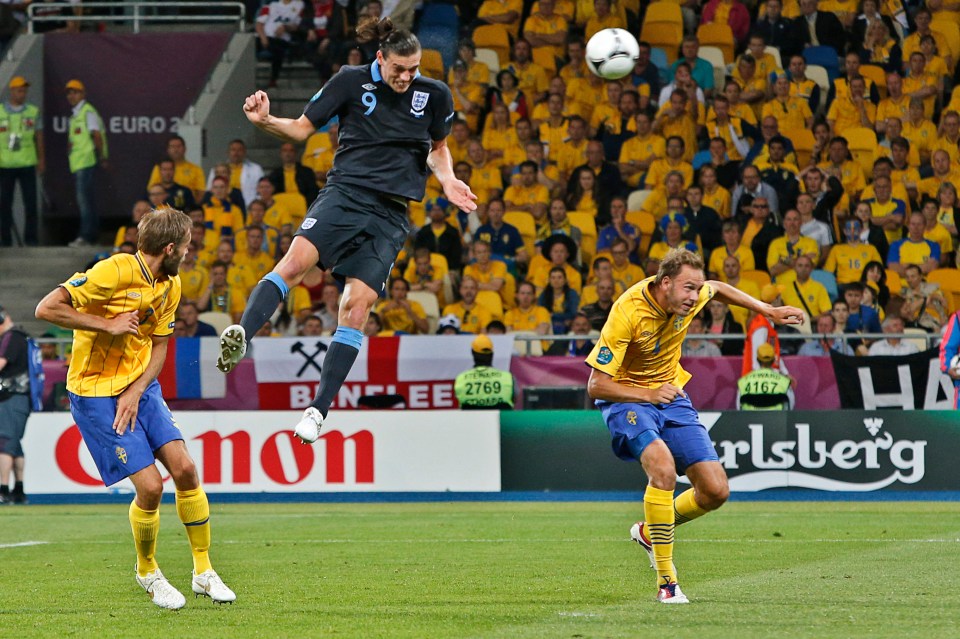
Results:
[764, 388]
[87, 144]
[478, 73]
[439, 236]
[483, 386]
[472, 316]
[21, 160]
[448, 325]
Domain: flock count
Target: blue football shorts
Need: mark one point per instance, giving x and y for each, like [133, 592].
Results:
[119, 456]
[634, 426]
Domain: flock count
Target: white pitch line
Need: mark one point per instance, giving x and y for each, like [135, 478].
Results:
[21, 544]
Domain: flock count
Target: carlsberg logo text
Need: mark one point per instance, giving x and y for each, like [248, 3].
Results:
[879, 451]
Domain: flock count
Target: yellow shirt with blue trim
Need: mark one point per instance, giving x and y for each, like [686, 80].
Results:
[892, 206]
[815, 298]
[791, 114]
[847, 261]
[906, 251]
[640, 343]
[104, 365]
[782, 247]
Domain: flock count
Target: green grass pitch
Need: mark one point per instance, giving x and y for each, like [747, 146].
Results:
[531, 569]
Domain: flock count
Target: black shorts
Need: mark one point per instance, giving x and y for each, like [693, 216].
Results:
[358, 232]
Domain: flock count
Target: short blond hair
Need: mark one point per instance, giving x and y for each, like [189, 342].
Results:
[674, 261]
[160, 227]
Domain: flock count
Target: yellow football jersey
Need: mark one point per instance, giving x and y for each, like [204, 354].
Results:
[104, 365]
[640, 343]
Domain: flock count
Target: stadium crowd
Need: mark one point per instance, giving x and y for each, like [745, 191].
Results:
[809, 153]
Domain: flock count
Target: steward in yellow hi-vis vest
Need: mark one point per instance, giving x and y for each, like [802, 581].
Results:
[21, 159]
[637, 382]
[484, 386]
[122, 314]
[86, 146]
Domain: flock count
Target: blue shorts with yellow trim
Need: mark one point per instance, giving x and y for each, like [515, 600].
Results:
[634, 426]
[119, 456]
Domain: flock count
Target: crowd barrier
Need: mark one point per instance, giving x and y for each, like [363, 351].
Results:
[254, 454]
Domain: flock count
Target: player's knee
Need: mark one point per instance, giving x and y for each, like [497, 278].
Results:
[355, 309]
[714, 495]
[185, 475]
[149, 493]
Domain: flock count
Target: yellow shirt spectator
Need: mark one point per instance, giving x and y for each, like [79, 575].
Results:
[791, 115]
[636, 150]
[472, 320]
[847, 261]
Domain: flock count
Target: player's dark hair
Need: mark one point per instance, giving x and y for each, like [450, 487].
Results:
[162, 226]
[674, 261]
[393, 41]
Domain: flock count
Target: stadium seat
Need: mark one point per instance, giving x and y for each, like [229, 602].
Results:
[659, 59]
[493, 36]
[524, 223]
[951, 33]
[491, 301]
[877, 75]
[828, 280]
[949, 281]
[663, 28]
[825, 57]
[522, 347]
[920, 341]
[717, 35]
[219, 321]
[893, 282]
[439, 14]
[636, 199]
[588, 227]
[443, 39]
[546, 58]
[295, 203]
[821, 76]
[645, 225]
[664, 12]
[430, 305]
[431, 64]
[492, 59]
[775, 52]
[863, 145]
[714, 56]
[803, 142]
[760, 278]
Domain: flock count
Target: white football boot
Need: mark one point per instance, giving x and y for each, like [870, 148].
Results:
[671, 594]
[308, 430]
[161, 591]
[209, 584]
[233, 346]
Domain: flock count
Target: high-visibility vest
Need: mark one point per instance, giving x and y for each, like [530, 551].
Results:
[83, 154]
[18, 145]
[764, 389]
[484, 387]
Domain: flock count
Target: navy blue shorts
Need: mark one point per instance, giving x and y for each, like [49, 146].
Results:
[634, 426]
[358, 232]
[119, 456]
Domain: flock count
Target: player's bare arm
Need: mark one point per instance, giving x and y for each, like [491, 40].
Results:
[441, 164]
[57, 308]
[257, 109]
[129, 400]
[778, 315]
[601, 386]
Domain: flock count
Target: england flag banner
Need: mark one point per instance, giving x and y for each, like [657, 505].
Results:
[418, 370]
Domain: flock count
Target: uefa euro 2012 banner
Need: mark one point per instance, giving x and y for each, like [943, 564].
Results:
[907, 382]
[418, 370]
[855, 451]
[256, 452]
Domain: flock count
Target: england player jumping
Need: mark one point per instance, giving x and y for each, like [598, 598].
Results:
[393, 125]
[638, 384]
[122, 314]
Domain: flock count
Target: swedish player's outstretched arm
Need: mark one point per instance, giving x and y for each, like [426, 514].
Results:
[56, 308]
[129, 400]
[601, 386]
[778, 315]
[257, 109]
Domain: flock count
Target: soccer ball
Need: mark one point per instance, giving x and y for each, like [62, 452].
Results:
[611, 53]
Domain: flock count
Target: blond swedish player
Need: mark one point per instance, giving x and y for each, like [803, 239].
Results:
[638, 384]
[122, 314]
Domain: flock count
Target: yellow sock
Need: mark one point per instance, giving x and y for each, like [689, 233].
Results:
[194, 511]
[658, 515]
[685, 508]
[145, 525]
